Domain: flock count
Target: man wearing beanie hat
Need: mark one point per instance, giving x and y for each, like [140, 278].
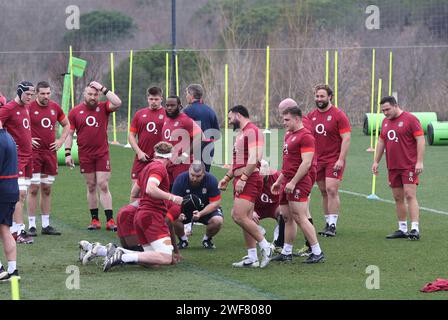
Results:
[16, 120]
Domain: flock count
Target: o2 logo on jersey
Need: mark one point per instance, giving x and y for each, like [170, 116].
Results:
[297, 194]
[26, 123]
[46, 123]
[392, 135]
[151, 127]
[265, 198]
[167, 134]
[285, 148]
[320, 129]
[411, 176]
[91, 122]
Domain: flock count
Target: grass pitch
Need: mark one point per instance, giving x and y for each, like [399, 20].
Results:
[404, 266]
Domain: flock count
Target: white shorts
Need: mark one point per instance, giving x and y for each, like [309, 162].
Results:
[162, 245]
[24, 183]
[37, 179]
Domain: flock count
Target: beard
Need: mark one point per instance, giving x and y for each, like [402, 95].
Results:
[322, 105]
[236, 125]
[91, 103]
[173, 114]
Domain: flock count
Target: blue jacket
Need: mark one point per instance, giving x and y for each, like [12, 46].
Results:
[205, 117]
[9, 187]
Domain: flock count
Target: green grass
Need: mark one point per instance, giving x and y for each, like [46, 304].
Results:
[404, 266]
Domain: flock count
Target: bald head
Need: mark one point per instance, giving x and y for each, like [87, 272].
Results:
[285, 104]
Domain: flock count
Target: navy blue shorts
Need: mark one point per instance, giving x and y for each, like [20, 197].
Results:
[6, 212]
[205, 219]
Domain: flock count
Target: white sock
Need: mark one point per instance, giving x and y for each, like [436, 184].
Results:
[129, 257]
[252, 253]
[327, 219]
[101, 251]
[403, 226]
[1, 265]
[31, 222]
[20, 228]
[414, 226]
[12, 266]
[89, 247]
[45, 220]
[276, 233]
[205, 238]
[263, 244]
[287, 249]
[316, 249]
[184, 238]
[13, 228]
[333, 219]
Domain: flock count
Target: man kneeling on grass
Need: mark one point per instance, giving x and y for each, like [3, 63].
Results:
[151, 228]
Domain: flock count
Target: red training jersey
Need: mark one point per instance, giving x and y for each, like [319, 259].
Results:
[296, 143]
[147, 124]
[16, 120]
[91, 127]
[43, 120]
[327, 128]
[399, 137]
[179, 132]
[249, 137]
[267, 199]
[157, 170]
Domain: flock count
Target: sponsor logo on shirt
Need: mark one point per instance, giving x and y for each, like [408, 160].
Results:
[36, 112]
[187, 191]
[144, 116]
[329, 118]
[204, 190]
[293, 138]
[18, 113]
[97, 109]
[314, 118]
[400, 124]
[160, 116]
[176, 123]
[52, 112]
[385, 125]
[81, 112]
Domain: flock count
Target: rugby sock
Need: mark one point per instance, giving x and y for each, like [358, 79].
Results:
[94, 213]
[307, 243]
[333, 219]
[45, 220]
[129, 257]
[327, 219]
[414, 226]
[205, 238]
[252, 253]
[316, 249]
[12, 266]
[276, 233]
[184, 238]
[31, 222]
[109, 214]
[281, 232]
[13, 228]
[263, 244]
[287, 249]
[20, 228]
[1, 265]
[403, 226]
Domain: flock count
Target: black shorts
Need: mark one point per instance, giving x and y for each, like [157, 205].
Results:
[205, 219]
[6, 212]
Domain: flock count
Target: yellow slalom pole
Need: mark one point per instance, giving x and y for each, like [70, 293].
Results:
[177, 76]
[336, 78]
[226, 112]
[327, 66]
[377, 125]
[72, 90]
[267, 87]
[372, 100]
[130, 95]
[390, 73]
[167, 75]
[112, 81]
[15, 295]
